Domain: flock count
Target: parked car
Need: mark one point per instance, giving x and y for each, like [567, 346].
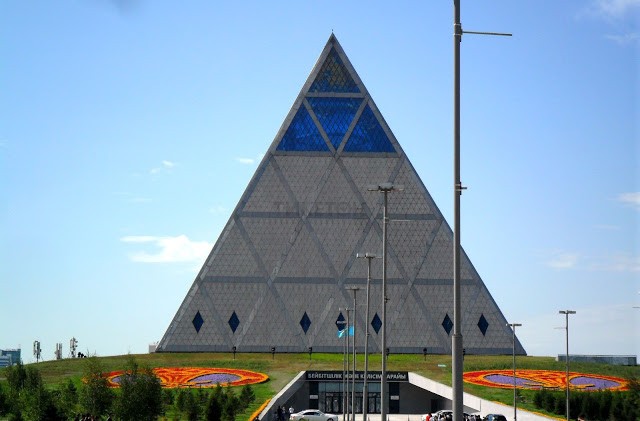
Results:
[312, 415]
[495, 417]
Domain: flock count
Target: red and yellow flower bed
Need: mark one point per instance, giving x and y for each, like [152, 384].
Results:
[538, 379]
[174, 377]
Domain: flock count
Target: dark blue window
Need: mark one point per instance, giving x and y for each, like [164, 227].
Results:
[376, 323]
[335, 115]
[305, 322]
[197, 322]
[302, 134]
[368, 135]
[333, 76]
[234, 322]
[447, 324]
[341, 322]
[483, 324]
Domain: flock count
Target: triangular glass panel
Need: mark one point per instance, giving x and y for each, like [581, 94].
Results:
[334, 76]
[302, 134]
[368, 135]
[335, 115]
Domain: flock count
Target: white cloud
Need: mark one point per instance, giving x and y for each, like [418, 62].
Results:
[217, 209]
[619, 262]
[165, 165]
[168, 249]
[563, 260]
[250, 161]
[613, 9]
[630, 38]
[632, 199]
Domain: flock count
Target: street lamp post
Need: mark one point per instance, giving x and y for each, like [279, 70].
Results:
[566, 327]
[353, 377]
[515, 402]
[365, 389]
[384, 188]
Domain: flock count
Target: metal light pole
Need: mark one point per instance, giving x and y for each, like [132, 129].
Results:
[344, 366]
[384, 188]
[456, 339]
[515, 402]
[566, 326]
[353, 378]
[365, 389]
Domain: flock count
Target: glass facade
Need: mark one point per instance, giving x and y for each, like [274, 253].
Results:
[332, 397]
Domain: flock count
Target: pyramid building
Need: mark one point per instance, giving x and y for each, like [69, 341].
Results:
[282, 271]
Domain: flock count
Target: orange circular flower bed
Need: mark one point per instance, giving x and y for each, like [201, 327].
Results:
[538, 379]
[173, 377]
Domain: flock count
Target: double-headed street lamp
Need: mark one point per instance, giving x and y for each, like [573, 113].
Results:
[384, 188]
[515, 402]
[566, 327]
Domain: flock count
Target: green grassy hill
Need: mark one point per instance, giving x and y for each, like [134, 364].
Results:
[281, 368]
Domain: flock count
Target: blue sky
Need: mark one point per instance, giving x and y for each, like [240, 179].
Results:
[130, 129]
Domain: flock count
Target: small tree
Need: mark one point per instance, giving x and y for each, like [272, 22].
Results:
[96, 398]
[140, 394]
[213, 411]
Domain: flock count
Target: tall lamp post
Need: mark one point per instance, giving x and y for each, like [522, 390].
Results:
[365, 389]
[384, 188]
[566, 327]
[353, 377]
[457, 350]
[515, 402]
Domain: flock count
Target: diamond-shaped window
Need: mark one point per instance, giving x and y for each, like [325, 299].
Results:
[305, 322]
[376, 323]
[447, 324]
[197, 321]
[483, 325]
[340, 322]
[234, 322]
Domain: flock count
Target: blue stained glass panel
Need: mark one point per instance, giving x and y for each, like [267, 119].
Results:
[197, 322]
[305, 322]
[483, 325]
[447, 324]
[368, 135]
[234, 322]
[376, 323]
[335, 115]
[302, 134]
[333, 76]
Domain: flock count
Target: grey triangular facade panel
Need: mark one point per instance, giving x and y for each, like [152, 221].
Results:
[279, 274]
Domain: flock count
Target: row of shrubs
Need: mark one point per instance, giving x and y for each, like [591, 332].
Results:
[599, 405]
[140, 397]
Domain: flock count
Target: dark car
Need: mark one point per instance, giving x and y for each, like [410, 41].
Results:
[495, 417]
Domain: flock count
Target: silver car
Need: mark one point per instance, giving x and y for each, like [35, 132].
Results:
[312, 415]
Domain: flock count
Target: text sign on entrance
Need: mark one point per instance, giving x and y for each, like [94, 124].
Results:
[332, 376]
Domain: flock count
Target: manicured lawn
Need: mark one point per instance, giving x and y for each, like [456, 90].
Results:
[281, 368]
